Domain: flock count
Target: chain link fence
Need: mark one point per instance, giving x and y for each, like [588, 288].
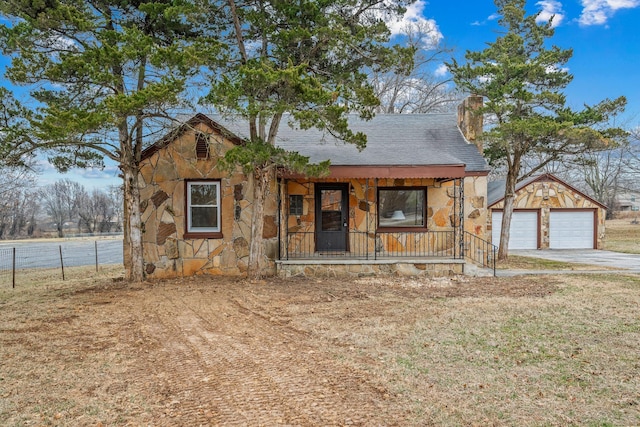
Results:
[32, 260]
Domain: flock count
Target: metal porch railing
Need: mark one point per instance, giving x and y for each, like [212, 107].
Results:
[375, 245]
[480, 251]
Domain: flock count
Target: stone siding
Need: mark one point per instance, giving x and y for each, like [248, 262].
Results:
[167, 253]
[476, 211]
[546, 195]
[439, 268]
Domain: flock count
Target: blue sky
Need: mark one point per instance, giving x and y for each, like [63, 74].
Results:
[603, 34]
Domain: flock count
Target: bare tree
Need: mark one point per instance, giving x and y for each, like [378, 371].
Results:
[18, 205]
[421, 90]
[60, 201]
[117, 205]
[94, 211]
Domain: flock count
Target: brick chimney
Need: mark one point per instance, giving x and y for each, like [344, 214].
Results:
[469, 121]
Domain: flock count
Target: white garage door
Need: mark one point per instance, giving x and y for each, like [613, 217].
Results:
[571, 229]
[523, 231]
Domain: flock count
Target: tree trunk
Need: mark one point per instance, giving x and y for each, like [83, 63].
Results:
[507, 213]
[256, 247]
[133, 225]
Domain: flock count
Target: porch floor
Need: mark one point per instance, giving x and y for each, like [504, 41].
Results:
[336, 259]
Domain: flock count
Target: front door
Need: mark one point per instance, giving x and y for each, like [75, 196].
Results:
[332, 217]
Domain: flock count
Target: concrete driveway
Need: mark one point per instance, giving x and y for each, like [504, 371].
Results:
[592, 257]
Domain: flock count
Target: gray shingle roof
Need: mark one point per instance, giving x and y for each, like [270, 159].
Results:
[495, 191]
[392, 139]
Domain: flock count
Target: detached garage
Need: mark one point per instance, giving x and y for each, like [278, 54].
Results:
[548, 214]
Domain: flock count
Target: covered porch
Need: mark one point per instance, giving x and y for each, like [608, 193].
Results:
[408, 222]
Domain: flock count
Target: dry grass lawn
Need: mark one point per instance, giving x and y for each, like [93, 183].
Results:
[552, 350]
[517, 262]
[623, 235]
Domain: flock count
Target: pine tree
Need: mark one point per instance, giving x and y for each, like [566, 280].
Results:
[101, 72]
[305, 62]
[522, 80]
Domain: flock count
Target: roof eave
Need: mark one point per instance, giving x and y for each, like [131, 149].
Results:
[390, 171]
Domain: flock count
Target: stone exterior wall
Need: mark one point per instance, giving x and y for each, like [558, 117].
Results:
[548, 194]
[476, 212]
[411, 268]
[167, 253]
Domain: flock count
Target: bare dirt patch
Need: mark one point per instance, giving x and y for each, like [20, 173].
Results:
[372, 351]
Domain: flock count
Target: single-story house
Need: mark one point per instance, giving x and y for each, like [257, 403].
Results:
[414, 201]
[548, 214]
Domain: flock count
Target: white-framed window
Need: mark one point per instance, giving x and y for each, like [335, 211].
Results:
[203, 207]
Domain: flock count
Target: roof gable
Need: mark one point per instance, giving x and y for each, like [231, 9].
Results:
[495, 191]
[186, 126]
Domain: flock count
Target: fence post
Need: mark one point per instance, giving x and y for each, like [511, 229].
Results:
[96, 245]
[61, 263]
[13, 270]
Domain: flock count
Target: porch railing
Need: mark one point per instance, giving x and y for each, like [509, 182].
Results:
[480, 251]
[375, 245]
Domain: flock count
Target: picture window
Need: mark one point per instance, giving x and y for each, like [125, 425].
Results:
[402, 207]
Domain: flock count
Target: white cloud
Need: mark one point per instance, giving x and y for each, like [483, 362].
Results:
[441, 70]
[106, 173]
[491, 17]
[414, 21]
[550, 8]
[597, 12]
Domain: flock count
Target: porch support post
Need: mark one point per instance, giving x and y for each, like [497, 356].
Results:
[460, 218]
[279, 219]
[285, 199]
[367, 218]
[375, 231]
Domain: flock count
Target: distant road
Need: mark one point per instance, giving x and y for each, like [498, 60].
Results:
[75, 252]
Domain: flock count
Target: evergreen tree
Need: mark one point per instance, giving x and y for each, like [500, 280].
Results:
[522, 80]
[102, 71]
[304, 62]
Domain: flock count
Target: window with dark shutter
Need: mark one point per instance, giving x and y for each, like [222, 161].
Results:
[202, 146]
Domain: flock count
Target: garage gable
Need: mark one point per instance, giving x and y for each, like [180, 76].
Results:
[567, 218]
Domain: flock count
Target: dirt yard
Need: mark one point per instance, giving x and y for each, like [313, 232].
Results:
[556, 350]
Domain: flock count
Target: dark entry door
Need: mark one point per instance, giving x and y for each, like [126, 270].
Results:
[332, 217]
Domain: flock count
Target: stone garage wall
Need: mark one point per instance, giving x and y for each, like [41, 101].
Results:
[547, 194]
[167, 253]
